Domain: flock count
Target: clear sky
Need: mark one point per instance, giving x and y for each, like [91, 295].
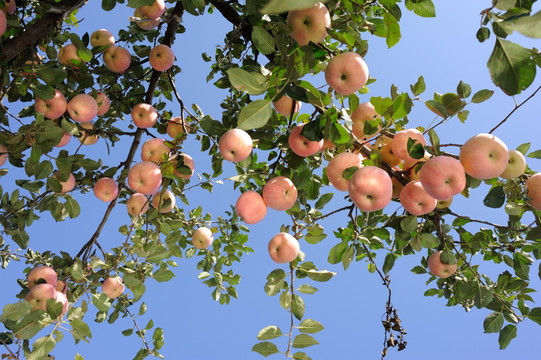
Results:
[350, 306]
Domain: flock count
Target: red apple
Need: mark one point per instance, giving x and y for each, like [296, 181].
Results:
[82, 108]
[202, 238]
[117, 59]
[67, 185]
[337, 166]
[52, 108]
[442, 177]
[137, 204]
[438, 268]
[280, 193]
[251, 207]
[188, 161]
[370, 188]
[286, 105]
[283, 248]
[85, 138]
[144, 22]
[144, 115]
[145, 177]
[346, 73]
[155, 149]
[300, 145]
[161, 57]
[365, 111]
[113, 287]
[516, 164]
[309, 24]
[154, 10]
[39, 294]
[66, 137]
[106, 189]
[42, 274]
[102, 37]
[400, 143]
[159, 201]
[104, 104]
[416, 200]
[533, 185]
[484, 156]
[235, 145]
[3, 23]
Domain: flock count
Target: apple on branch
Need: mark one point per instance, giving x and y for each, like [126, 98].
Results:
[155, 150]
[283, 248]
[137, 204]
[416, 200]
[102, 37]
[309, 25]
[113, 287]
[400, 143]
[52, 108]
[68, 56]
[533, 186]
[3, 154]
[160, 203]
[484, 156]
[104, 104]
[144, 115]
[145, 177]
[187, 161]
[346, 73]
[286, 105]
[117, 59]
[82, 108]
[235, 145]
[370, 188]
[300, 145]
[280, 193]
[39, 294]
[202, 238]
[516, 164]
[161, 57]
[106, 189]
[251, 207]
[42, 274]
[438, 268]
[363, 113]
[337, 166]
[442, 177]
[85, 137]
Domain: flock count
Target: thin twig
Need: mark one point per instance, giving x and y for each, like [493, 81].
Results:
[515, 109]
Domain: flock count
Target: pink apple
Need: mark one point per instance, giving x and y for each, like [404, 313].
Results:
[137, 204]
[370, 188]
[280, 193]
[365, 111]
[400, 143]
[3, 154]
[174, 127]
[61, 286]
[484, 156]
[159, 201]
[52, 108]
[117, 59]
[188, 161]
[85, 137]
[42, 274]
[300, 145]
[39, 294]
[67, 54]
[82, 108]
[104, 104]
[416, 200]
[337, 166]
[9, 6]
[106, 189]
[286, 105]
[309, 24]
[145, 177]
[102, 37]
[144, 115]
[251, 207]
[283, 248]
[533, 185]
[155, 149]
[235, 145]
[516, 164]
[3, 23]
[438, 268]
[61, 297]
[154, 10]
[346, 73]
[144, 22]
[66, 137]
[161, 57]
[113, 287]
[202, 238]
[67, 185]
[442, 177]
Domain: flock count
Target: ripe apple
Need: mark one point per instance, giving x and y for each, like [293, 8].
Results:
[85, 138]
[442, 177]
[337, 166]
[161, 57]
[106, 189]
[9, 6]
[445, 203]
[159, 201]
[39, 294]
[516, 164]
[438, 268]
[286, 105]
[61, 286]
[66, 137]
[67, 185]
[104, 104]
[280, 193]
[251, 207]
[309, 24]
[3, 154]
[388, 156]
[235, 145]
[413, 168]
[300, 145]
[400, 143]
[144, 22]
[533, 185]
[365, 111]
[283, 248]
[137, 204]
[484, 156]
[102, 37]
[113, 287]
[117, 59]
[145, 178]
[370, 188]
[174, 127]
[61, 297]
[346, 73]
[67, 54]
[154, 10]
[188, 161]
[82, 108]
[42, 274]
[397, 187]
[416, 200]
[202, 238]
[155, 149]
[3, 23]
[144, 115]
[52, 108]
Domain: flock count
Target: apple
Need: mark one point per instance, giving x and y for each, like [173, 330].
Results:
[144, 115]
[155, 149]
[533, 185]
[484, 156]
[365, 111]
[102, 37]
[235, 145]
[159, 201]
[337, 166]
[442, 177]
[309, 24]
[346, 73]
[67, 54]
[61, 286]
[145, 177]
[283, 248]
[66, 137]
[113, 287]
[416, 200]
[137, 204]
[370, 188]
[188, 161]
[327, 144]
[397, 187]
[52, 108]
[3, 23]
[438, 268]
[445, 203]
[61, 297]
[85, 138]
[412, 168]
[42, 274]
[9, 6]
[3, 154]
[36, 59]
[104, 104]
[286, 105]
[144, 22]
[82, 108]
[516, 164]
[400, 143]
[202, 238]
[174, 127]
[67, 185]
[117, 59]
[384, 146]
[300, 145]
[154, 10]
[39, 294]
[280, 193]
[251, 207]
[161, 57]
[106, 189]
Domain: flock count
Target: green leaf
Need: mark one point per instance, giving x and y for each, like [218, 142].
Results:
[299, 355]
[80, 330]
[507, 334]
[255, 115]
[524, 148]
[321, 275]
[14, 312]
[303, 340]
[108, 5]
[495, 197]
[482, 95]
[263, 40]
[138, 3]
[324, 200]
[211, 126]
[388, 263]
[493, 322]
[409, 224]
[194, 7]
[275, 282]
[72, 206]
[535, 315]
[250, 83]
[463, 90]
[42, 347]
[54, 308]
[434, 139]
[419, 86]
[297, 306]
[282, 6]
[265, 348]
[101, 301]
[483, 34]
[162, 275]
[535, 154]
[436, 107]
[269, 332]
[424, 8]
[483, 297]
[307, 289]
[393, 30]
[310, 326]
[529, 25]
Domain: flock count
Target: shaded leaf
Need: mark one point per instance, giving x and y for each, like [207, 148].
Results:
[507, 334]
[265, 348]
[303, 340]
[310, 326]
[493, 322]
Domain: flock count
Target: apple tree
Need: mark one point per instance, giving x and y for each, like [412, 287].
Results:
[296, 147]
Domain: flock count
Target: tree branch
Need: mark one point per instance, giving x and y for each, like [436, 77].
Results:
[515, 109]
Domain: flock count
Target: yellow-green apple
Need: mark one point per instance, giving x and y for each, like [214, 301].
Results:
[283, 248]
[412, 168]
[144, 22]
[416, 200]
[387, 154]
[42, 274]
[137, 204]
[67, 185]
[145, 177]
[3, 154]
[346, 73]
[251, 207]
[337, 166]
[365, 111]
[160, 203]
[442, 176]
[52, 108]
[9, 6]
[516, 164]
[438, 268]
[235, 145]
[154, 10]
[3, 23]
[309, 24]
[67, 54]
[104, 104]
[144, 115]
[533, 185]
[113, 287]
[400, 143]
[82, 108]
[117, 59]
[102, 37]
[66, 137]
[61, 297]
[202, 238]
[155, 149]
[370, 188]
[286, 105]
[445, 203]
[85, 137]
[280, 193]
[161, 57]
[106, 189]
[484, 156]
[300, 145]
[174, 127]
[188, 161]
[39, 294]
